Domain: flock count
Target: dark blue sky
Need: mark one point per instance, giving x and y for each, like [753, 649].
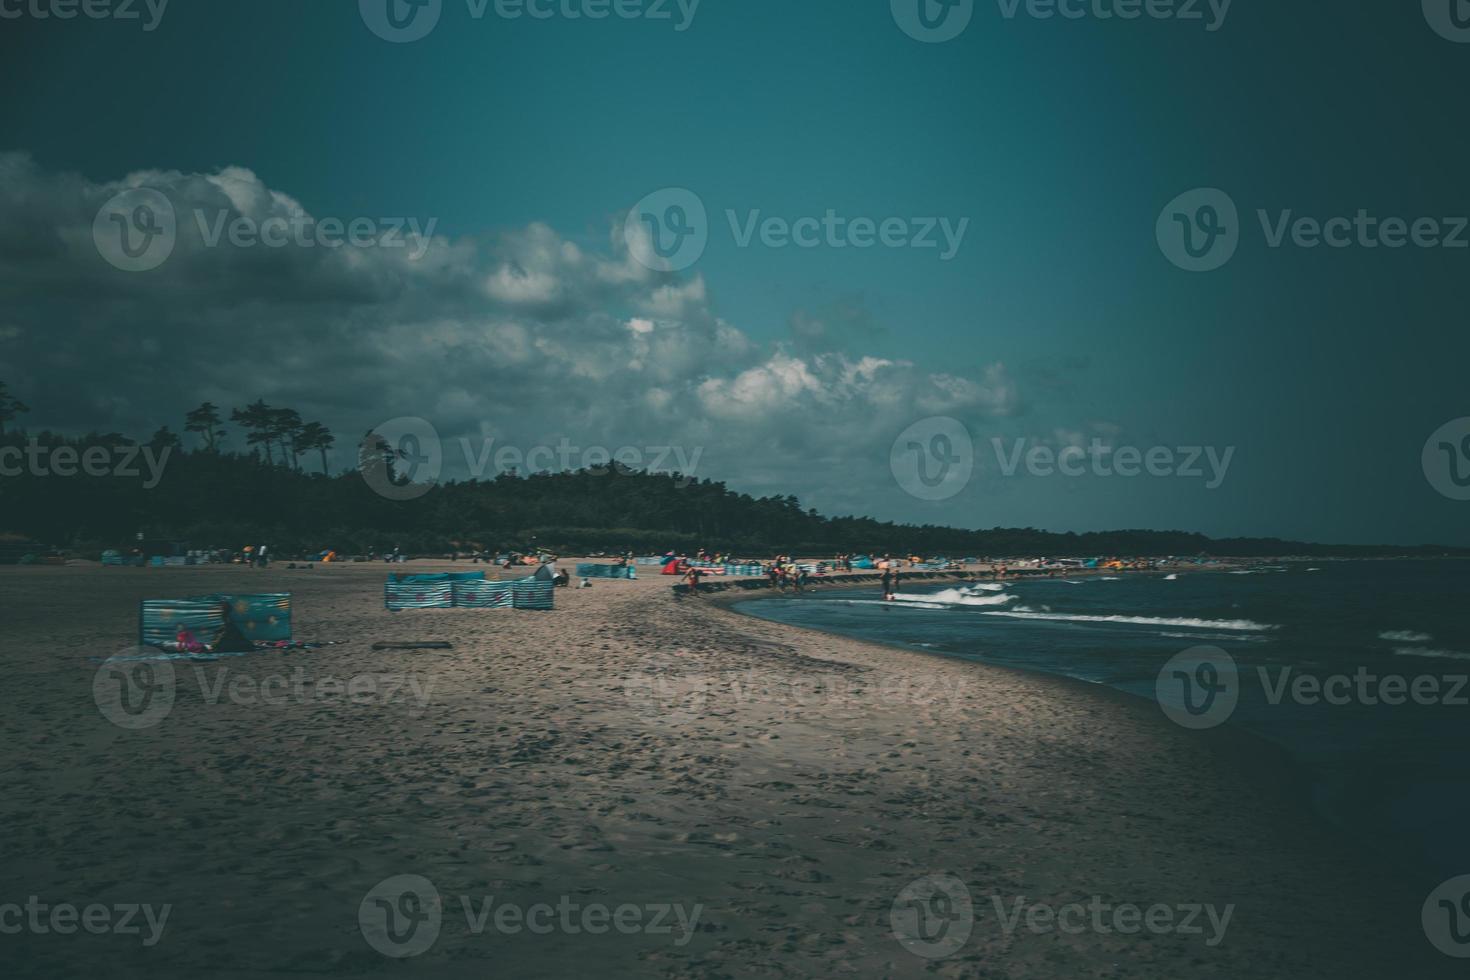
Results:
[1059, 140]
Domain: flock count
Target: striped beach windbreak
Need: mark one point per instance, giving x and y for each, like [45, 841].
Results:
[444, 592]
[408, 594]
[265, 616]
[483, 595]
[592, 570]
[159, 620]
[534, 594]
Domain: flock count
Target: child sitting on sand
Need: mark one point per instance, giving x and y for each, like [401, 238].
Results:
[186, 642]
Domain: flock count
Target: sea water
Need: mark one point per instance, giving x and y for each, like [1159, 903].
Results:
[1314, 643]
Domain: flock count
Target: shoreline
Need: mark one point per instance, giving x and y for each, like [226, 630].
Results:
[630, 746]
[1238, 748]
[718, 584]
[1237, 753]
[1267, 765]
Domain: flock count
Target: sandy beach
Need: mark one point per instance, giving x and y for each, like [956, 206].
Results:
[739, 798]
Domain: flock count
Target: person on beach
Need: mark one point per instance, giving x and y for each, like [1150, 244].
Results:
[230, 639]
[692, 580]
[887, 583]
[186, 642]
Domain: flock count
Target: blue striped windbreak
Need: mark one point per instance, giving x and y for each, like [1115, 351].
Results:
[591, 570]
[418, 595]
[484, 595]
[159, 620]
[266, 616]
[534, 594]
[527, 593]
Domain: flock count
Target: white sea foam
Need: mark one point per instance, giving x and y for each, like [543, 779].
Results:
[1405, 636]
[1210, 624]
[986, 587]
[954, 597]
[897, 602]
[1172, 576]
[1428, 652]
[1109, 578]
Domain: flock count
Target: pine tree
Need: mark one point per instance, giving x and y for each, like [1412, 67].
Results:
[10, 407]
[255, 419]
[314, 435]
[206, 421]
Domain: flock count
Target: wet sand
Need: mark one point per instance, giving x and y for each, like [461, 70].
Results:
[780, 787]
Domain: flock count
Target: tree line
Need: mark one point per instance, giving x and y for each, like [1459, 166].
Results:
[267, 429]
[248, 485]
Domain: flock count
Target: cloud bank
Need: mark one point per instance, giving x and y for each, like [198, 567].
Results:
[521, 335]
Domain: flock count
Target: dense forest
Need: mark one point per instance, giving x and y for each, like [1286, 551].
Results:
[279, 490]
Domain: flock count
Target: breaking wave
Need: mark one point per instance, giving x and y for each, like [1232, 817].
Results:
[1405, 636]
[1210, 624]
[1434, 654]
